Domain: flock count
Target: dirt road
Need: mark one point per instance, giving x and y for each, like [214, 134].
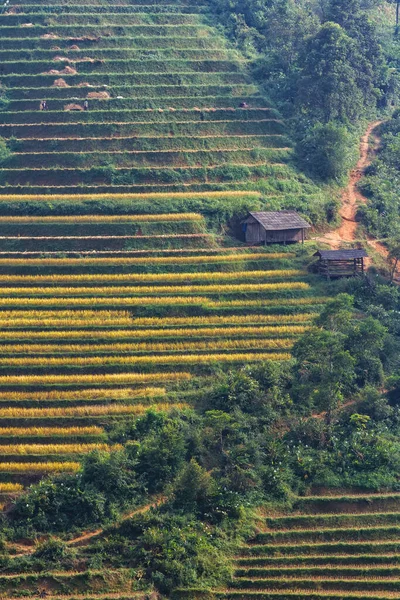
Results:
[351, 196]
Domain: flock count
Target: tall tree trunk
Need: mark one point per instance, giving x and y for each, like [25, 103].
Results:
[397, 17]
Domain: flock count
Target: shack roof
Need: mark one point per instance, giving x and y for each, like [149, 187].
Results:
[280, 220]
[341, 254]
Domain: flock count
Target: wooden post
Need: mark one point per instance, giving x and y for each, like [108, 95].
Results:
[302, 236]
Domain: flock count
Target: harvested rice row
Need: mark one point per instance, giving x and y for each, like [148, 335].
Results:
[45, 467]
[170, 289]
[49, 431]
[91, 394]
[153, 196]
[102, 218]
[87, 411]
[103, 361]
[37, 449]
[73, 323]
[224, 344]
[287, 330]
[10, 487]
[88, 379]
[156, 260]
[167, 301]
[149, 277]
[99, 315]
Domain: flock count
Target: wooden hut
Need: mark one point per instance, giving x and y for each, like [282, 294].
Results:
[274, 227]
[341, 263]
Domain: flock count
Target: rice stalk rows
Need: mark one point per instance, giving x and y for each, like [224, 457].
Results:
[50, 432]
[17, 322]
[128, 290]
[39, 467]
[93, 379]
[173, 217]
[148, 277]
[85, 394]
[134, 334]
[86, 411]
[224, 344]
[38, 449]
[156, 260]
[167, 359]
[10, 487]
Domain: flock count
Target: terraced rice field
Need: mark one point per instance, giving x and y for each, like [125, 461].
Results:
[164, 90]
[88, 337]
[115, 295]
[336, 547]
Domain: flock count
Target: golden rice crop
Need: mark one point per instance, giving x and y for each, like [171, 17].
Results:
[104, 315]
[61, 323]
[107, 301]
[150, 196]
[164, 289]
[224, 344]
[39, 467]
[146, 260]
[64, 318]
[103, 361]
[10, 487]
[37, 449]
[90, 394]
[270, 302]
[49, 431]
[103, 218]
[150, 277]
[208, 320]
[116, 334]
[103, 379]
[86, 411]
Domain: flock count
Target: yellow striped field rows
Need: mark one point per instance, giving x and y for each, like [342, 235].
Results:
[166, 359]
[88, 379]
[115, 334]
[10, 319]
[50, 431]
[130, 196]
[201, 301]
[146, 260]
[85, 394]
[128, 218]
[37, 449]
[39, 467]
[86, 411]
[149, 277]
[224, 344]
[10, 487]
[165, 289]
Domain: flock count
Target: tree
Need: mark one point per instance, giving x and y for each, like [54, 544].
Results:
[325, 370]
[326, 151]
[336, 82]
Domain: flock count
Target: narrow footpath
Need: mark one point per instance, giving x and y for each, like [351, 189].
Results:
[351, 196]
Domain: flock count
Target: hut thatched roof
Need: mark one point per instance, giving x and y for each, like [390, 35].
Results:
[341, 254]
[280, 220]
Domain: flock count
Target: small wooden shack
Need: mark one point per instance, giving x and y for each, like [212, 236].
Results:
[341, 263]
[274, 227]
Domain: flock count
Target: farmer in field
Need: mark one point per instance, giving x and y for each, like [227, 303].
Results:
[86, 105]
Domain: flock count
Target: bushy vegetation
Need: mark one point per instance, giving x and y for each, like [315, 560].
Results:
[323, 64]
[381, 185]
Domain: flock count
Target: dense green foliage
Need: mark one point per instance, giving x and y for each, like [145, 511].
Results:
[322, 63]
[381, 185]
[261, 433]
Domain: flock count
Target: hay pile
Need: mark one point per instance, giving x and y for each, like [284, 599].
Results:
[73, 107]
[60, 83]
[99, 95]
